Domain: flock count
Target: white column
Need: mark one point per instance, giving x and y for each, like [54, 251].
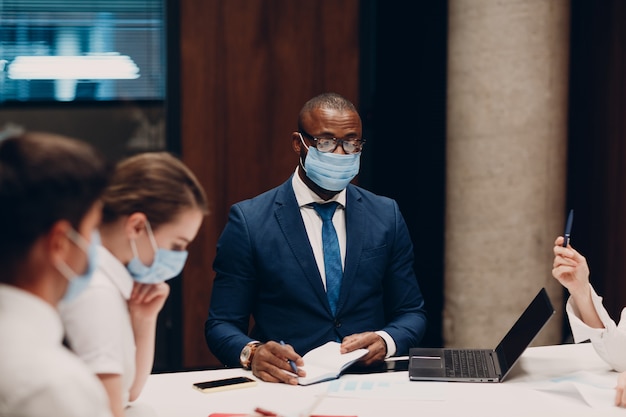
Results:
[506, 163]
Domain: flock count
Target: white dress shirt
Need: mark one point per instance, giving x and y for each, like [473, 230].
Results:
[97, 322]
[610, 342]
[38, 375]
[313, 225]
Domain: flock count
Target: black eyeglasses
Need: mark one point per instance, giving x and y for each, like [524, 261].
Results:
[350, 146]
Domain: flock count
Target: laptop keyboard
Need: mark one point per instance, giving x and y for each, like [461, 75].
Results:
[466, 363]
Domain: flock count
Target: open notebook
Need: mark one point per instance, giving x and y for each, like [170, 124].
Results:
[327, 362]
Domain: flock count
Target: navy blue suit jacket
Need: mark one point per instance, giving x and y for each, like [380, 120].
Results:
[265, 267]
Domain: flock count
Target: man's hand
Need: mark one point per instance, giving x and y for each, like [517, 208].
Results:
[271, 363]
[368, 340]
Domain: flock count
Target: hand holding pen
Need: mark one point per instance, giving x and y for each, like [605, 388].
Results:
[570, 267]
[568, 228]
[293, 365]
[272, 363]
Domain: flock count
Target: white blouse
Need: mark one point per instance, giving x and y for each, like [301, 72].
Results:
[610, 342]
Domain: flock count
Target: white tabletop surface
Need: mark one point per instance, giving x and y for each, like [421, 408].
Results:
[563, 380]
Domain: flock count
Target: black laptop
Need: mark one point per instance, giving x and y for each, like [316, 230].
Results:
[482, 365]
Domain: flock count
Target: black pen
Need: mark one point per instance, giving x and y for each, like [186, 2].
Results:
[568, 228]
[294, 368]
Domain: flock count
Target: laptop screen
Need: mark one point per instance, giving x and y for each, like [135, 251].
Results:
[524, 330]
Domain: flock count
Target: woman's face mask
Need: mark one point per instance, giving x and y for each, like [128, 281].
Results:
[78, 283]
[167, 263]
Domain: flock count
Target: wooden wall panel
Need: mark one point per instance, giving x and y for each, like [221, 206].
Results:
[246, 68]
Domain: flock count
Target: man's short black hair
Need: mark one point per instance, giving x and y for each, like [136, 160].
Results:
[329, 100]
[44, 178]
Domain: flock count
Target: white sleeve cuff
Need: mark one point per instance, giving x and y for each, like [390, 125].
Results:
[391, 345]
[580, 330]
[609, 342]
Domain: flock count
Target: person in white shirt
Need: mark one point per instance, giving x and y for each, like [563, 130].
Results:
[49, 210]
[153, 208]
[588, 318]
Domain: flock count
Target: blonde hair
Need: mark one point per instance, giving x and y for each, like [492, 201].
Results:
[154, 183]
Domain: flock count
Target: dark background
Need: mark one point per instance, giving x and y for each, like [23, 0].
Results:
[402, 101]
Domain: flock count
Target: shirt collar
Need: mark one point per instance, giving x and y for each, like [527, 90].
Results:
[116, 271]
[305, 196]
[36, 314]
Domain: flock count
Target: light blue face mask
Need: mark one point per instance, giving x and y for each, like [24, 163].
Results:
[78, 283]
[331, 171]
[166, 265]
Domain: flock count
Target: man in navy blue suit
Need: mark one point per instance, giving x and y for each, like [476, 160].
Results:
[272, 260]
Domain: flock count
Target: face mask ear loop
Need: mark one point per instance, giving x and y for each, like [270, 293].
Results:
[133, 247]
[151, 236]
[133, 244]
[300, 158]
[78, 240]
[65, 270]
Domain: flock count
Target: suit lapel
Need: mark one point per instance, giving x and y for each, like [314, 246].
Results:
[288, 216]
[355, 225]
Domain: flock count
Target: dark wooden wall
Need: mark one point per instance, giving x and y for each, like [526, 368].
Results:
[246, 68]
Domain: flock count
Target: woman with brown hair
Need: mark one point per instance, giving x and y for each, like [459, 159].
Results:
[153, 208]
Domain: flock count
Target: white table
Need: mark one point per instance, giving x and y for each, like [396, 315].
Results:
[171, 395]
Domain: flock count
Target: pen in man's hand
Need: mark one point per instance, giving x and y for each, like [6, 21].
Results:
[568, 228]
[294, 368]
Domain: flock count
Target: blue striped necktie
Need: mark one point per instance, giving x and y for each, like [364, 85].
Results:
[332, 254]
